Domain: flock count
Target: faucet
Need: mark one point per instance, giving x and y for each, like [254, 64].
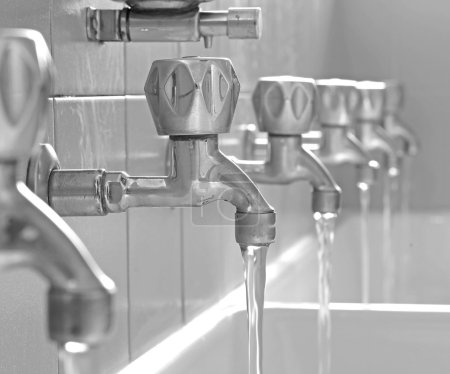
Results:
[393, 124]
[171, 21]
[285, 107]
[368, 127]
[32, 235]
[339, 101]
[191, 99]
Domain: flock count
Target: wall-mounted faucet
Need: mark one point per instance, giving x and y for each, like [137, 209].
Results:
[192, 100]
[339, 101]
[285, 107]
[31, 234]
[393, 124]
[368, 126]
[171, 21]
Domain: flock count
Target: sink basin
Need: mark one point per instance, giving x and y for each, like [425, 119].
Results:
[388, 339]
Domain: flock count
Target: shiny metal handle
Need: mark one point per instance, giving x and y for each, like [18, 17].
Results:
[192, 95]
[285, 105]
[372, 105]
[339, 100]
[25, 83]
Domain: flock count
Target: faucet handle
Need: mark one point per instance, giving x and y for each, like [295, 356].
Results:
[372, 104]
[394, 96]
[25, 83]
[192, 95]
[285, 105]
[339, 100]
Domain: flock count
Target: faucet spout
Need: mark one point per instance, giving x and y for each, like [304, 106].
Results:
[81, 296]
[288, 162]
[374, 138]
[396, 129]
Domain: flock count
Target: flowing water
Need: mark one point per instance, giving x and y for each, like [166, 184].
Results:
[388, 255]
[255, 281]
[364, 196]
[74, 358]
[325, 224]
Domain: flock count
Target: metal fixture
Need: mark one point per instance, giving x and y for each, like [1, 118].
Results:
[192, 100]
[393, 124]
[171, 21]
[368, 126]
[285, 107]
[339, 101]
[31, 233]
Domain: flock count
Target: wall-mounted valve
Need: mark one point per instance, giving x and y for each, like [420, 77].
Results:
[166, 21]
[80, 298]
[339, 102]
[368, 125]
[285, 107]
[394, 125]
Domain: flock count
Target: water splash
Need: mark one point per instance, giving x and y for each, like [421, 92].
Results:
[255, 281]
[364, 196]
[325, 224]
[388, 255]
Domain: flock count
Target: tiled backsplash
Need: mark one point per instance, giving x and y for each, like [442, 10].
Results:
[168, 263]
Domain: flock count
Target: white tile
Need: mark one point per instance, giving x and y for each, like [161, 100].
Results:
[90, 133]
[154, 240]
[84, 67]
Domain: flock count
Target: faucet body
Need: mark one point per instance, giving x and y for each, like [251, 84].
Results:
[393, 124]
[31, 234]
[368, 127]
[339, 102]
[198, 172]
[285, 107]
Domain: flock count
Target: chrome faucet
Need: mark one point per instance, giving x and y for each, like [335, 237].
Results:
[393, 124]
[339, 102]
[192, 100]
[285, 107]
[368, 127]
[31, 234]
[171, 21]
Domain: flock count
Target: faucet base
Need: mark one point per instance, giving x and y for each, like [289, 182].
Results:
[40, 167]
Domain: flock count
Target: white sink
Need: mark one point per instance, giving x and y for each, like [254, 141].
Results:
[388, 339]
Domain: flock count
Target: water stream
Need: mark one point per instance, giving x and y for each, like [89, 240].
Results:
[325, 224]
[364, 196]
[388, 255]
[74, 358]
[255, 281]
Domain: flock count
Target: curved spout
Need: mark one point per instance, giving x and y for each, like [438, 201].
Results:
[81, 295]
[288, 162]
[339, 146]
[374, 138]
[399, 130]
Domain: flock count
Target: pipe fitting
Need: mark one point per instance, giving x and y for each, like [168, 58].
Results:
[326, 201]
[255, 228]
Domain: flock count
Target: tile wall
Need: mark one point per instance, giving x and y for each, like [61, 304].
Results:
[169, 264]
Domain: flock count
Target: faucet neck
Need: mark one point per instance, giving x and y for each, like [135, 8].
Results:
[366, 128]
[283, 151]
[334, 139]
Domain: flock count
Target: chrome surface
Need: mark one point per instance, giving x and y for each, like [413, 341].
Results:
[394, 125]
[368, 127]
[162, 4]
[134, 24]
[31, 233]
[196, 104]
[285, 108]
[339, 102]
